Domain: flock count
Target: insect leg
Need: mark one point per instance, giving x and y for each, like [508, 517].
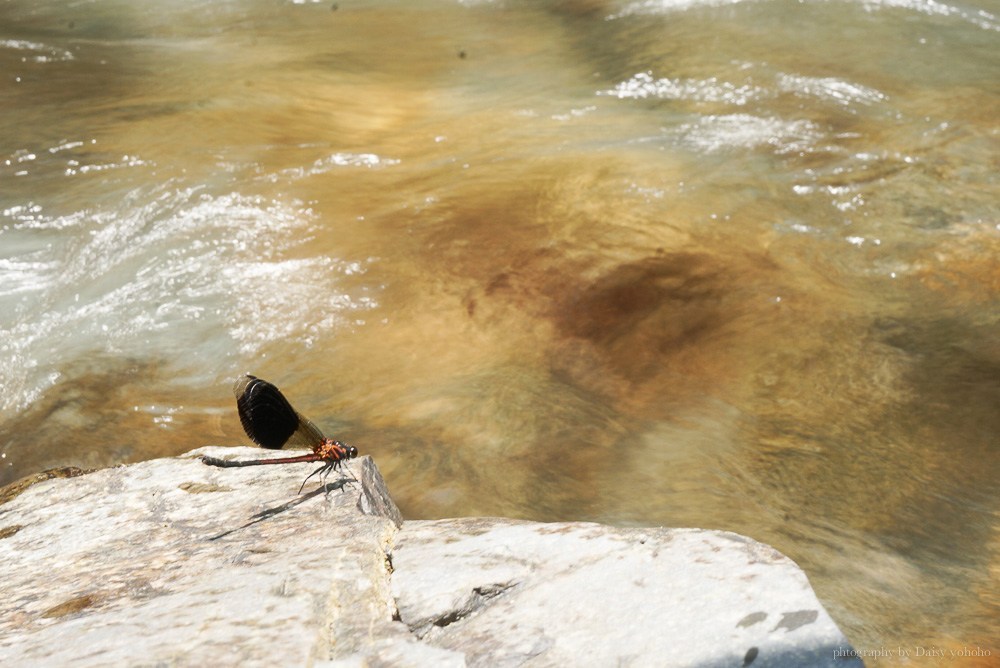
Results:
[311, 475]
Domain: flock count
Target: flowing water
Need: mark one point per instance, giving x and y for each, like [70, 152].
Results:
[718, 263]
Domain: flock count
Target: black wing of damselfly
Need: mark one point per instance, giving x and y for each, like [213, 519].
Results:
[267, 417]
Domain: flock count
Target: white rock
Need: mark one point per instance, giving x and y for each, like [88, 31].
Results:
[174, 562]
[171, 562]
[520, 593]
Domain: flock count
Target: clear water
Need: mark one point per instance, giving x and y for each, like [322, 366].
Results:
[719, 263]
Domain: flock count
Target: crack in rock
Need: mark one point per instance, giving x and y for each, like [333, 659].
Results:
[475, 602]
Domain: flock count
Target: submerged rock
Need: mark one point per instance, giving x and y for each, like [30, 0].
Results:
[170, 562]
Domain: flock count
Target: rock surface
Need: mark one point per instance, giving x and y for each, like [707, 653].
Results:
[170, 562]
[498, 591]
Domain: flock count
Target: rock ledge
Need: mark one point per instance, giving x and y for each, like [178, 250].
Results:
[170, 562]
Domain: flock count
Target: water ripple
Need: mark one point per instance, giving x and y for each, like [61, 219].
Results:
[713, 90]
[713, 134]
[836, 90]
[41, 53]
[979, 18]
[643, 85]
[179, 266]
[324, 165]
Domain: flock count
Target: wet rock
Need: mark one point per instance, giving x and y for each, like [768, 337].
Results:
[171, 562]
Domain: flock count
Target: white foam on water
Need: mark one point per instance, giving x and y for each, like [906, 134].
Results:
[181, 270]
[716, 133]
[642, 85]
